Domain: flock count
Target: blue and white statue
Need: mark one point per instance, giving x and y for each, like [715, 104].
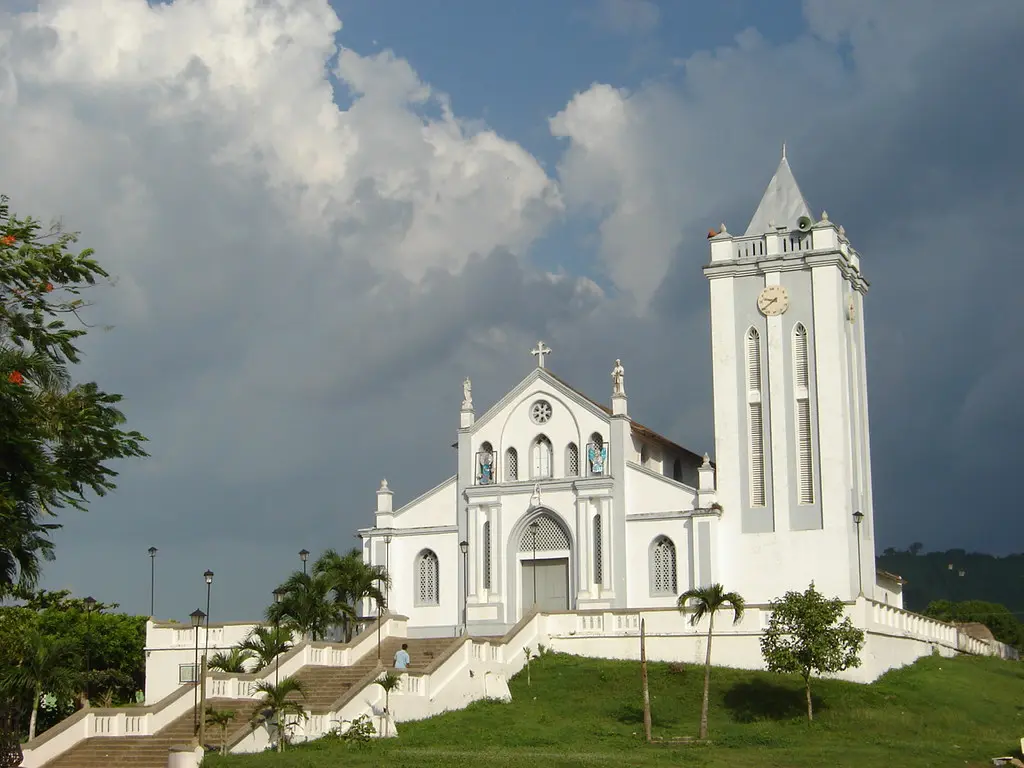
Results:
[597, 455]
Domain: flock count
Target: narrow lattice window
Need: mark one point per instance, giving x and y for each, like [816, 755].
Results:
[572, 460]
[512, 464]
[663, 566]
[802, 395]
[755, 419]
[541, 457]
[427, 592]
[487, 554]
[598, 551]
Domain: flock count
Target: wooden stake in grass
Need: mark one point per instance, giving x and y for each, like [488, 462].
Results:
[643, 678]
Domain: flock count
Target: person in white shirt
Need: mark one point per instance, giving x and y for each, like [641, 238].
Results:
[402, 657]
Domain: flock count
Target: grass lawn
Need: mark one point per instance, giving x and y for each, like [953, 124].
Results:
[587, 712]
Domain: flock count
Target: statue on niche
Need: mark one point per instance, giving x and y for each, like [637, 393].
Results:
[597, 455]
[618, 378]
[486, 468]
[467, 393]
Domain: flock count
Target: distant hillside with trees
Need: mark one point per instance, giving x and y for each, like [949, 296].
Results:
[956, 575]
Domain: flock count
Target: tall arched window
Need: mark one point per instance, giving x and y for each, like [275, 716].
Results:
[541, 459]
[598, 551]
[755, 419]
[511, 464]
[487, 554]
[801, 394]
[677, 470]
[645, 455]
[427, 578]
[663, 566]
[572, 460]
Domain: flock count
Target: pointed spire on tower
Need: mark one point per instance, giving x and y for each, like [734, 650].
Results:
[782, 204]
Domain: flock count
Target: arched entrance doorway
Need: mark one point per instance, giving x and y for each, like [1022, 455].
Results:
[543, 561]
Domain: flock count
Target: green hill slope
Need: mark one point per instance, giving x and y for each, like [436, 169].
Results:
[586, 712]
[984, 577]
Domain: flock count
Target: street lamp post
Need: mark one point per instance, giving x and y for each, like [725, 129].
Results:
[858, 517]
[197, 617]
[464, 546]
[279, 594]
[90, 603]
[208, 575]
[152, 580]
[387, 571]
[533, 529]
[303, 556]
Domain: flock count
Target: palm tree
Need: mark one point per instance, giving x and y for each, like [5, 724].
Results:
[264, 643]
[352, 581]
[231, 661]
[389, 681]
[221, 718]
[708, 601]
[307, 606]
[51, 665]
[278, 702]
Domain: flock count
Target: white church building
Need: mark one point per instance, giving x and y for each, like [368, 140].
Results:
[566, 503]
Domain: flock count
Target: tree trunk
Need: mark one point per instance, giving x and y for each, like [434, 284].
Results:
[807, 688]
[224, 739]
[707, 681]
[643, 679]
[35, 713]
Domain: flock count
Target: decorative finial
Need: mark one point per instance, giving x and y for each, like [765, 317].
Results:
[842, 230]
[783, 150]
[824, 215]
[618, 379]
[707, 461]
[539, 353]
[384, 484]
[722, 230]
[771, 224]
[467, 394]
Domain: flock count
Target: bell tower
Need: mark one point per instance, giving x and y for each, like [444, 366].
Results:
[790, 401]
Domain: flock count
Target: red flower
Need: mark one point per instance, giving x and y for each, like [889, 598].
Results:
[16, 377]
[49, 287]
[7, 239]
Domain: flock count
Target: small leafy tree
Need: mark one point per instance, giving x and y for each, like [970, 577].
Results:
[805, 636]
[278, 702]
[527, 654]
[51, 665]
[221, 718]
[389, 681]
[707, 601]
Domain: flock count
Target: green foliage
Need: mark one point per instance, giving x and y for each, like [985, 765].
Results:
[1003, 624]
[805, 636]
[51, 665]
[359, 731]
[57, 438]
[220, 718]
[265, 643]
[231, 661]
[933, 576]
[314, 602]
[279, 703]
[585, 713]
[707, 601]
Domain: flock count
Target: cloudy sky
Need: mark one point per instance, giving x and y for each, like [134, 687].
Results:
[323, 216]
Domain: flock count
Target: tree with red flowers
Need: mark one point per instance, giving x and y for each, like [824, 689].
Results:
[57, 436]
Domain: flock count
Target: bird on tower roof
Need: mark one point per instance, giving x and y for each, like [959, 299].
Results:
[782, 203]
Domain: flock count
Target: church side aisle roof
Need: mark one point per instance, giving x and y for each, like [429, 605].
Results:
[781, 205]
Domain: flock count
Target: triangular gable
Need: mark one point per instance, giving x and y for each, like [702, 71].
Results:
[543, 374]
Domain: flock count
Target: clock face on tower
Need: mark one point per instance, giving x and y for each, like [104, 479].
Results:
[773, 300]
